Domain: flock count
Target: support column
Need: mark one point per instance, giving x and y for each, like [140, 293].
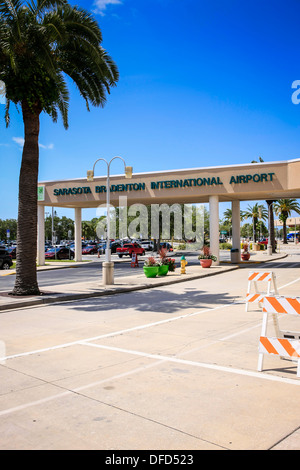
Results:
[214, 227]
[236, 232]
[78, 234]
[41, 236]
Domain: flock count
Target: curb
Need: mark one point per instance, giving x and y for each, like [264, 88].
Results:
[54, 298]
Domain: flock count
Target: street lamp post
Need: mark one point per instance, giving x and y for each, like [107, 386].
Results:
[270, 214]
[108, 265]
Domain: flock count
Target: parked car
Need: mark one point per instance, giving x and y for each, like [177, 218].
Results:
[5, 259]
[72, 245]
[147, 245]
[167, 245]
[291, 236]
[264, 241]
[13, 252]
[61, 253]
[128, 248]
[113, 247]
[89, 250]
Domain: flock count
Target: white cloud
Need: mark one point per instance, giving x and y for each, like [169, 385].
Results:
[102, 4]
[48, 147]
[20, 142]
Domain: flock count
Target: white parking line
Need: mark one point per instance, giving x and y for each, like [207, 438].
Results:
[205, 365]
[114, 333]
[157, 357]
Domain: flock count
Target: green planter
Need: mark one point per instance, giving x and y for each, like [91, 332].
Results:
[150, 271]
[163, 270]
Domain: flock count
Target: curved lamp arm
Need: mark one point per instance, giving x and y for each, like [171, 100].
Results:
[128, 169]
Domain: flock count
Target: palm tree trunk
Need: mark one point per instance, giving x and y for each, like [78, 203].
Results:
[284, 231]
[271, 226]
[254, 229]
[26, 278]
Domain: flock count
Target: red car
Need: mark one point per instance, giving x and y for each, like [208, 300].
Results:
[128, 248]
[60, 253]
[89, 250]
[264, 241]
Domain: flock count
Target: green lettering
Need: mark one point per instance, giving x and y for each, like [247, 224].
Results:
[271, 176]
[264, 177]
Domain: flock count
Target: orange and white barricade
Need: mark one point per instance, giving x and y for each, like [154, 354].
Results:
[134, 260]
[259, 277]
[285, 344]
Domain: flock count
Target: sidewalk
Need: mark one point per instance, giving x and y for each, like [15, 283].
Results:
[170, 369]
[136, 281]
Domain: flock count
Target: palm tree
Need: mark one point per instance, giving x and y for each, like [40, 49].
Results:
[256, 212]
[42, 42]
[271, 217]
[283, 208]
[228, 216]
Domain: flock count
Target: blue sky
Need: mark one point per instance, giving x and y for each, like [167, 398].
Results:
[201, 83]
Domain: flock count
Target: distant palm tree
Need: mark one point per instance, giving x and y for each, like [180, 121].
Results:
[283, 208]
[271, 216]
[41, 41]
[228, 216]
[256, 212]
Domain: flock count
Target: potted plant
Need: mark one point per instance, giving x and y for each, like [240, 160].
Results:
[163, 267]
[150, 267]
[206, 258]
[245, 253]
[171, 264]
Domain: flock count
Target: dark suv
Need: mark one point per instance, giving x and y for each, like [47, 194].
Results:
[5, 259]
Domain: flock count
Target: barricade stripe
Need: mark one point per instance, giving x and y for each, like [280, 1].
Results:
[268, 345]
[263, 276]
[254, 297]
[295, 304]
[258, 276]
[288, 347]
[279, 346]
[286, 305]
[276, 305]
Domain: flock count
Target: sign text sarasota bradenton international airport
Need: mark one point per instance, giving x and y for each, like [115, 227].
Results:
[168, 184]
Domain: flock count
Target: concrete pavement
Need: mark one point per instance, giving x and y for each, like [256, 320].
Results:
[168, 367]
[81, 290]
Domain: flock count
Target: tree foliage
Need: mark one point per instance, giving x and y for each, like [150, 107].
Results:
[41, 41]
[283, 208]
